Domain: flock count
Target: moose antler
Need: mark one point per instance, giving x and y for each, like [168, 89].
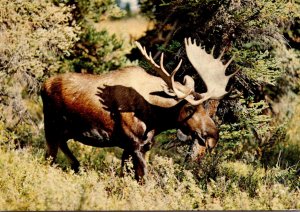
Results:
[211, 70]
[181, 91]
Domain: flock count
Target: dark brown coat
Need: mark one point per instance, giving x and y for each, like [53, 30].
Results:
[124, 108]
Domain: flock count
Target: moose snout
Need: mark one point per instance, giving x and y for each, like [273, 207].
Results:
[205, 140]
[200, 146]
[211, 143]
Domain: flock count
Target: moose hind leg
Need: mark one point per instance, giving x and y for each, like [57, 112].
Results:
[51, 151]
[74, 162]
[53, 135]
[52, 142]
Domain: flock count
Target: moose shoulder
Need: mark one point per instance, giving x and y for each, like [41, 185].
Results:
[125, 108]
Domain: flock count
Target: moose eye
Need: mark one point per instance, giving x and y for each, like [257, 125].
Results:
[190, 110]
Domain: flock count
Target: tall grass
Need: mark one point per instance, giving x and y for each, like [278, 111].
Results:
[28, 182]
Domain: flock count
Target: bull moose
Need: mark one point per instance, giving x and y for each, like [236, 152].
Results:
[128, 107]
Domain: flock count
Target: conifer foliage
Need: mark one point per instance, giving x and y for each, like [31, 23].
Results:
[257, 33]
[96, 51]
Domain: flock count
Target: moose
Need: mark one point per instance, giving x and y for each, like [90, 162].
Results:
[128, 107]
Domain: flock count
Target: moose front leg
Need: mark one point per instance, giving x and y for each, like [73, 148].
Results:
[139, 165]
[138, 156]
[139, 142]
[125, 157]
[139, 162]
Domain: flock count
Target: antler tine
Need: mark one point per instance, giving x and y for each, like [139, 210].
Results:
[221, 55]
[162, 73]
[234, 73]
[144, 52]
[179, 94]
[197, 102]
[150, 58]
[162, 65]
[212, 50]
[180, 90]
[229, 61]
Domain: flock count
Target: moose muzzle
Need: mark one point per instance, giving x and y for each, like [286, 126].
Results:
[199, 145]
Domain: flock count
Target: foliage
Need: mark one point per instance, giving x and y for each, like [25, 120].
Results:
[34, 36]
[253, 31]
[96, 10]
[38, 39]
[250, 30]
[95, 51]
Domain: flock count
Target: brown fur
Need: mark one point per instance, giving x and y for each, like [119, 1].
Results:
[122, 108]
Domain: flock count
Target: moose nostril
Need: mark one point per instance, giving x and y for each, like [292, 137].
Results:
[202, 139]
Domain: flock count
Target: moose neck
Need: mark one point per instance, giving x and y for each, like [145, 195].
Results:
[166, 118]
[118, 99]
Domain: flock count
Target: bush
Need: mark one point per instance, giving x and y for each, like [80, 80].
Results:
[38, 39]
[34, 36]
[256, 164]
[95, 51]
[268, 74]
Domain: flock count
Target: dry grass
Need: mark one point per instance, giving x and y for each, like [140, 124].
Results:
[28, 182]
[128, 29]
[294, 127]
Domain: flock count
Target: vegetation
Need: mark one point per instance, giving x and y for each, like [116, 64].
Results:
[29, 183]
[267, 83]
[34, 36]
[256, 164]
[96, 51]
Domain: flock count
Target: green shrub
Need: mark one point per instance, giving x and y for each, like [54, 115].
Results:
[256, 164]
[38, 39]
[95, 51]
[34, 36]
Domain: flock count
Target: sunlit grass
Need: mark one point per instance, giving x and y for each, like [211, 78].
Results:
[28, 182]
[294, 126]
[128, 29]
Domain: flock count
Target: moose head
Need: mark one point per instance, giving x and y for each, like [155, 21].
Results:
[212, 71]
